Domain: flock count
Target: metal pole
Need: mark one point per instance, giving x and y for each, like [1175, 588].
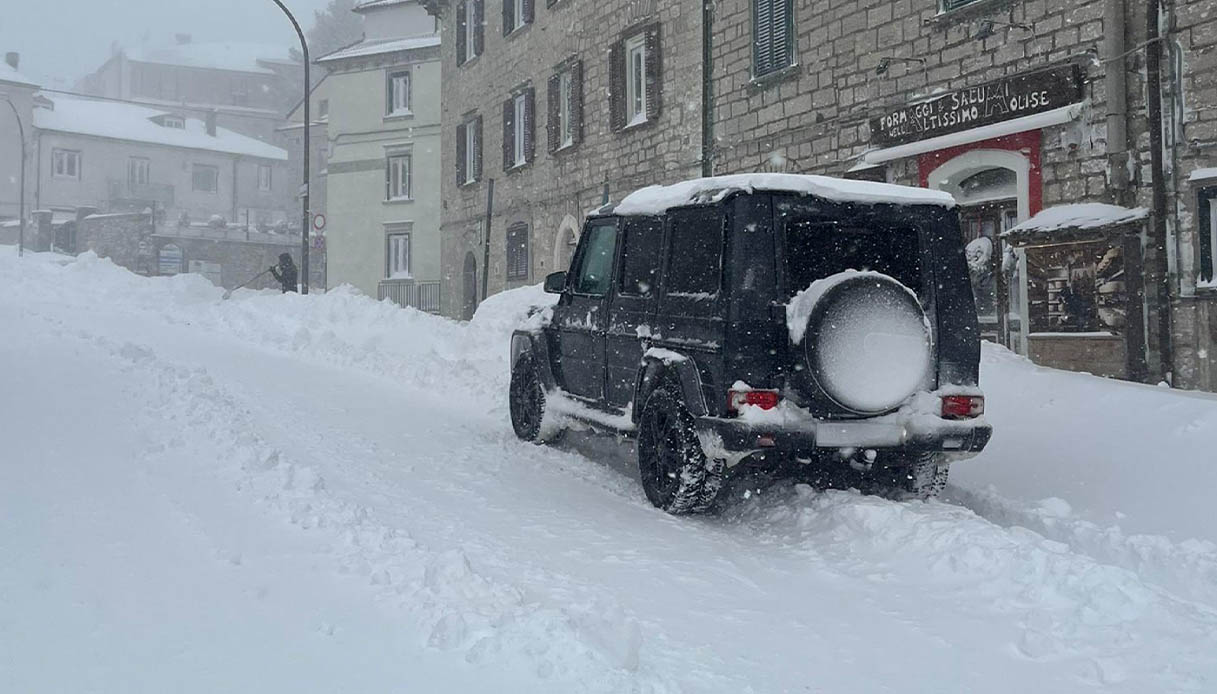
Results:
[1160, 272]
[486, 245]
[21, 185]
[304, 228]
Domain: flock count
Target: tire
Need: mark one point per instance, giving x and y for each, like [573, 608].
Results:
[527, 401]
[676, 475]
[919, 477]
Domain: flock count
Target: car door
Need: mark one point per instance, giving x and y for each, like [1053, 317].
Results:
[580, 317]
[632, 305]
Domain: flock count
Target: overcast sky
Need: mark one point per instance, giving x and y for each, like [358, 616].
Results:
[62, 40]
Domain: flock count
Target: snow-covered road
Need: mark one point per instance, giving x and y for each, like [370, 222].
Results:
[319, 494]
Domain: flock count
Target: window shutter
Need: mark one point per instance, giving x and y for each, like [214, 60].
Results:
[479, 26]
[461, 174]
[477, 148]
[508, 135]
[782, 34]
[530, 121]
[462, 19]
[509, 18]
[528, 14]
[762, 46]
[617, 86]
[576, 101]
[654, 75]
[389, 178]
[553, 127]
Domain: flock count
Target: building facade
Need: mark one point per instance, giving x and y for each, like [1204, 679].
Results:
[115, 156]
[17, 95]
[383, 168]
[1013, 106]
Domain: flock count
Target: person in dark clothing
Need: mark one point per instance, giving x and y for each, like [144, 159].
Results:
[285, 272]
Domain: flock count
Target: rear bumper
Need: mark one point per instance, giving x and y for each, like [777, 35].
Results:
[924, 433]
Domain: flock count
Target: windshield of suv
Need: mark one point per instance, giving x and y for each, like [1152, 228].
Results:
[816, 249]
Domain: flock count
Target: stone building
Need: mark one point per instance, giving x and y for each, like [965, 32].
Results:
[382, 126]
[540, 104]
[1017, 107]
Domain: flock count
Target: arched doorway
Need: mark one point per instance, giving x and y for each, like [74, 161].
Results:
[469, 302]
[564, 243]
[992, 188]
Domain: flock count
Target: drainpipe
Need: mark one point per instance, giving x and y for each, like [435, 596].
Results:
[707, 88]
[1159, 272]
[1115, 84]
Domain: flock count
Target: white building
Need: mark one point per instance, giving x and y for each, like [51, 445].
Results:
[119, 156]
[383, 171]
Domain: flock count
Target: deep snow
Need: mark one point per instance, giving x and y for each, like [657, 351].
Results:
[322, 493]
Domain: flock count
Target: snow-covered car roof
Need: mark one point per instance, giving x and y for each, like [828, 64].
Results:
[659, 199]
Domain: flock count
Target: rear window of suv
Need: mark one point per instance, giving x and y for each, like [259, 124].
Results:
[816, 249]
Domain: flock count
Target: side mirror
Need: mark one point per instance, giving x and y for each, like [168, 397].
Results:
[555, 282]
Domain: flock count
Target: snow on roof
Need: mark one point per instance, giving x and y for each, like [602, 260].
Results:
[9, 74]
[1202, 174]
[1085, 215]
[124, 121]
[378, 47]
[658, 199]
[372, 4]
[221, 55]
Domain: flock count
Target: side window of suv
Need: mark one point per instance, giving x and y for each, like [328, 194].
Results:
[643, 242]
[595, 271]
[695, 258]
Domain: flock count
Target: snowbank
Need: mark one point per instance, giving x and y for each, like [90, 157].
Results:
[658, 199]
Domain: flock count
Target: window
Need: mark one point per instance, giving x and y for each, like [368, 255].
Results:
[175, 122]
[518, 130]
[138, 169]
[397, 256]
[635, 82]
[469, 151]
[640, 256]
[205, 179]
[470, 19]
[65, 163]
[773, 36]
[634, 79]
[323, 109]
[695, 257]
[596, 263]
[517, 251]
[564, 126]
[516, 13]
[264, 178]
[816, 249]
[397, 177]
[1207, 221]
[398, 101]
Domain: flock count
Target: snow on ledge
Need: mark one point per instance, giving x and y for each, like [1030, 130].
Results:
[1203, 174]
[658, 199]
[1085, 215]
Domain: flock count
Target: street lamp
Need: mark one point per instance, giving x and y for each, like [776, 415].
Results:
[21, 194]
[304, 227]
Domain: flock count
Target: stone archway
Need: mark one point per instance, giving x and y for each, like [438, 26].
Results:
[564, 243]
[469, 282]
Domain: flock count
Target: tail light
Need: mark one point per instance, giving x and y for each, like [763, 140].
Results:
[764, 399]
[962, 406]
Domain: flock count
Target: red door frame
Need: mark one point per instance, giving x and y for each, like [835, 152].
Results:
[1026, 143]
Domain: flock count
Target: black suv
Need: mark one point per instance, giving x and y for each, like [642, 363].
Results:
[803, 323]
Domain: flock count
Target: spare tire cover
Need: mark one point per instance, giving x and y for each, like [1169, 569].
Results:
[867, 343]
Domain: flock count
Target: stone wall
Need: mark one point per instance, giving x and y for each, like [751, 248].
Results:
[130, 241]
[560, 188]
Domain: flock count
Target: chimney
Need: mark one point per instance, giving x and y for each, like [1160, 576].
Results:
[13, 58]
[181, 39]
[211, 123]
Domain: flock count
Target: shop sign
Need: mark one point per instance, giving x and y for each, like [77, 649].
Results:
[973, 107]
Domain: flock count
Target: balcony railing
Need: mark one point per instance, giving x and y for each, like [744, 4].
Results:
[423, 296]
[126, 191]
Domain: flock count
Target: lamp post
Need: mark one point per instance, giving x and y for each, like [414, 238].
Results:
[304, 191]
[21, 177]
